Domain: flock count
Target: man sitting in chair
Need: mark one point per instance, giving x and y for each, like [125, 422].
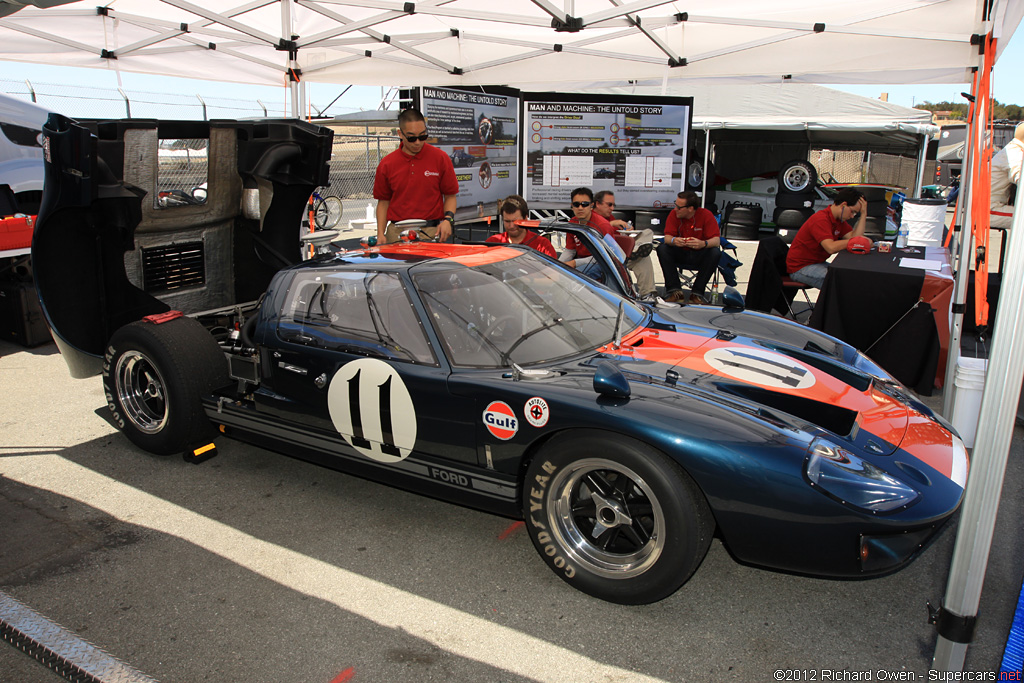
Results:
[823, 234]
[576, 255]
[691, 241]
[639, 262]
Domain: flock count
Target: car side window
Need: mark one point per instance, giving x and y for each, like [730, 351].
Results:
[365, 311]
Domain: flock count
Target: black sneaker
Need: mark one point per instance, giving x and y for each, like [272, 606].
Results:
[642, 251]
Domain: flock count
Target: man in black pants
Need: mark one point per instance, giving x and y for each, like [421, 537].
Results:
[691, 241]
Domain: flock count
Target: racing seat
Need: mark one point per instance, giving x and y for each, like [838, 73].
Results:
[625, 242]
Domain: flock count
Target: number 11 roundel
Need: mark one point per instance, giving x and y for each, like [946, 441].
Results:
[371, 407]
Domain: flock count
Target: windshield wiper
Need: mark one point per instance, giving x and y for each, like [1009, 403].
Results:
[546, 326]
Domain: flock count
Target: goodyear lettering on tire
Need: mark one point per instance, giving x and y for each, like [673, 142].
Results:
[538, 488]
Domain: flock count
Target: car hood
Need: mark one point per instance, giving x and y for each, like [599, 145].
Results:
[800, 388]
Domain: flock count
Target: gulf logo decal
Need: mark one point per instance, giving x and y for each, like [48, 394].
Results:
[760, 366]
[500, 420]
[371, 407]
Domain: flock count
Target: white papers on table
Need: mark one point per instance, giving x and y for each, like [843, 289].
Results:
[921, 264]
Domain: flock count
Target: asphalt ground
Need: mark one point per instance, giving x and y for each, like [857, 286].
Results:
[257, 567]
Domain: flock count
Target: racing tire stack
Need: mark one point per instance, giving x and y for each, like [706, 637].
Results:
[794, 200]
[742, 221]
[789, 221]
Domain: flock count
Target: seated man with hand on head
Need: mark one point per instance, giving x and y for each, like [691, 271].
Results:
[639, 262]
[691, 241]
[514, 208]
[576, 254]
[823, 234]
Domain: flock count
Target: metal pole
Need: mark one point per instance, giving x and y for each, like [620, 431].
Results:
[31, 90]
[202, 102]
[921, 154]
[707, 155]
[127, 103]
[984, 485]
[962, 264]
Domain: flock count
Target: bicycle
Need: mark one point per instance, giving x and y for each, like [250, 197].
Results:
[325, 211]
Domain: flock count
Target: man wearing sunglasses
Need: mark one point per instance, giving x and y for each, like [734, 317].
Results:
[417, 180]
[576, 254]
[691, 241]
[639, 262]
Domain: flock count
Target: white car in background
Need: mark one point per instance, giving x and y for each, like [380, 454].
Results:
[21, 150]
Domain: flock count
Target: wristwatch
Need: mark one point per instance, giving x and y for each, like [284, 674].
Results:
[450, 217]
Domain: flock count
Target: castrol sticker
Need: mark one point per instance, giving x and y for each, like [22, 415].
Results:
[500, 420]
[760, 366]
[536, 411]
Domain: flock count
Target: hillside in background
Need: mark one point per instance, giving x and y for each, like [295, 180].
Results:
[958, 110]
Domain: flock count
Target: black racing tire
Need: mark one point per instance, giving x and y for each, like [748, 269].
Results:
[656, 528]
[877, 208]
[874, 227]
[154, 376]
[788, 200]
[750, 216]
[739, 231]
[797, 176]
[791, 218]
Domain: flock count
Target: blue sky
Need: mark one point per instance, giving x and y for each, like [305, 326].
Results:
[1008, 84]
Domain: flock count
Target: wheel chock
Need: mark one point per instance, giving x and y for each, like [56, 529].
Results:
[200, 454]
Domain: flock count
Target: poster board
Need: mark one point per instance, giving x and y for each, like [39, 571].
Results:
[479, 131]
[635, 146]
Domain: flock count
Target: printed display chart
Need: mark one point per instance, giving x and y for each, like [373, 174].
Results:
[480, 133]
[634, 146]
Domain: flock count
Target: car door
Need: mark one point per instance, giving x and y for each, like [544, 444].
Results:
[350, 357]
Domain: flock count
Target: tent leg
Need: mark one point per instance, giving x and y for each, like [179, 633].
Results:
[707, 154]
[922, 152]
[985, 483]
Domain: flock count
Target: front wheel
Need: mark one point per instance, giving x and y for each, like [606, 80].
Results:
[615, 518]
[327, 212]
[154, 376]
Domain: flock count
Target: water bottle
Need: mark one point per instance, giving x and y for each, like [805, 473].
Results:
[902, 237]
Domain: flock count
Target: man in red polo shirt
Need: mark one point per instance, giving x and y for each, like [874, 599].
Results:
[417, 180]
[823, 234]
[691, 241]
[576, 254]
[514, 208]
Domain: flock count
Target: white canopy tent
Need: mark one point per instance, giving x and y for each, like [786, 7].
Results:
[551, 45]
[530, 44]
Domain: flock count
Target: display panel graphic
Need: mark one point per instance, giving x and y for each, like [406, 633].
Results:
[480, 132]
[635, 146]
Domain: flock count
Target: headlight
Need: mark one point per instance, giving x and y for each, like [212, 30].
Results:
[853, 481]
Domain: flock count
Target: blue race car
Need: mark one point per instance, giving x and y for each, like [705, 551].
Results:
[626, 435]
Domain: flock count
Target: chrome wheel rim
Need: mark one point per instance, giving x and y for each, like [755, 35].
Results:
[607, 518]
[140, 390]
[797, 179]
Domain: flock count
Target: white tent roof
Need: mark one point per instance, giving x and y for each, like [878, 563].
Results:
[789, 106]
[531, 44]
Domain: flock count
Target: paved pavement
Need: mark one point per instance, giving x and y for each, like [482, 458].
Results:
[256, 567]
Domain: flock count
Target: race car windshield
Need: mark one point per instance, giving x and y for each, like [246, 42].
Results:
[524, 310]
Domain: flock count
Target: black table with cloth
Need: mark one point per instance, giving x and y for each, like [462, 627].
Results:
[896, 315]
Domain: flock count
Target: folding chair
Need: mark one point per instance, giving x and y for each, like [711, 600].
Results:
[794, 286]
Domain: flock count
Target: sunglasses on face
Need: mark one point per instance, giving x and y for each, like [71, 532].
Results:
[414, 138]
[680, 208]
[611, 204]
[577, 205]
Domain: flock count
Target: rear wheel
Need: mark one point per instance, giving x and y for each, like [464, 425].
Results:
[615, 518]
[154, 377]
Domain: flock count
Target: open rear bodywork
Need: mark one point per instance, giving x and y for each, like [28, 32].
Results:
[140, 217]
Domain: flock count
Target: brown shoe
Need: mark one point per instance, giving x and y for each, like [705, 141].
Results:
[675, 296]
[696, 299]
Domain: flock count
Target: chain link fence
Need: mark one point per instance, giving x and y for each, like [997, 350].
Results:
[354, 160]
[865, 167]
[116, 103]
